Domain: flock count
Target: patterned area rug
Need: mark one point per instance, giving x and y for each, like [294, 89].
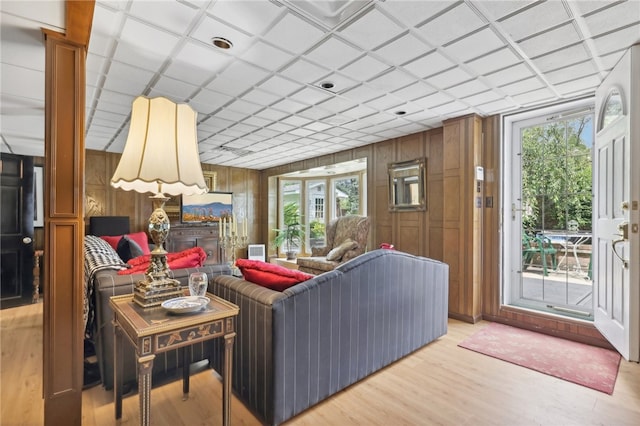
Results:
[586, 365]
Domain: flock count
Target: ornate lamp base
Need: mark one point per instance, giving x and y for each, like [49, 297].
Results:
[153, 293]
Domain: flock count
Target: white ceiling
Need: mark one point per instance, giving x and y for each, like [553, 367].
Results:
[260, 103]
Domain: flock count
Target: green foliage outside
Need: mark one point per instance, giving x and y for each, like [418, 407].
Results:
[293, 232]
[556, 175]
[351, 204]
[316, 229]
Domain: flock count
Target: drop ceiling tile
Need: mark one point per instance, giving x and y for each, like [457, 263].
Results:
[477, 44]
[535, 19]
[371, 30]
[497, 106]
[359, 112]
[143, 46]
[105, 26]
[449, 78]
[260, 97]
[280, 86]
[210, 27]
[420, 116]
[311, 95]
[19, 44]
[127, 79]
[244, 107]
[587, 6]
[408, 108]
[294, 34]
[482, 98]
[271, 114]
[580, 85]
[466, 89]
[531, 98]
[390, 81]
[315, 113]
[301, 132]
[173, 16]
[245, 73]
[228, 86]
[614, 17]
[385, 102]
[257, 121]
[454, 108]
[290, 106]
[430, 64]
[403, 49]
[433, 100]
[109, 117]
[617, 40]
[509, 75]
[196, 63]
[266, 56]
[114, 98]
[502, 58]
[253, 17]
[362, 93]
[415, 90]
[450, 25]
[496, 9]
[413, 13]
[177, 88]
[562, 58]
[296, 121]
[522, 86]
[304, 72]
[364, 68]
[267, 133]
[571, 72]
[333, 53]
[549, 41]
[337, 104]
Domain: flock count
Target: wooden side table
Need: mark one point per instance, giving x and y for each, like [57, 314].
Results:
[155, 330]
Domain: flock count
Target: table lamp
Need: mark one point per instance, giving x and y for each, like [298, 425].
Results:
[161, 157]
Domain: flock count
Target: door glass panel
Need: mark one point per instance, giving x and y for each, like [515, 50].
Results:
[316, 208]
[613, 109]
[555, 215]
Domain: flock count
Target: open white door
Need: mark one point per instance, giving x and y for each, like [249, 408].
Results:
[616, 240]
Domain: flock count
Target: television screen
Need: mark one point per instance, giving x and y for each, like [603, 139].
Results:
[205, 208]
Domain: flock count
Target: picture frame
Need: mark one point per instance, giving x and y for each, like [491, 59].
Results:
[38, 197]
[206, 208]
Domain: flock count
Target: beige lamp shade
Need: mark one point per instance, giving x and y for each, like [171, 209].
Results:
[161, 152]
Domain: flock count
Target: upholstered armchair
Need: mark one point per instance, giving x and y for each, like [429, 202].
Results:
[346, 238]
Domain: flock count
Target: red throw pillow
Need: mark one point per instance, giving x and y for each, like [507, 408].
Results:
[112, 240]
[269, 275]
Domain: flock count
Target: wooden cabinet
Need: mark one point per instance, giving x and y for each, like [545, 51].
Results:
[185, 237]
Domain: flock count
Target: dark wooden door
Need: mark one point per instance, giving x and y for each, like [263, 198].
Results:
[17, 206]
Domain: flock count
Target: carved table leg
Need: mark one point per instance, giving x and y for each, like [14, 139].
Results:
[145, 366]
[226, 378]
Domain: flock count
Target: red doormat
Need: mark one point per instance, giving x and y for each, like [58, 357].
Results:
[586, 365]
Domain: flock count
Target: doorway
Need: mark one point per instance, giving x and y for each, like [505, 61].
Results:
[548, 219]
[17, 230]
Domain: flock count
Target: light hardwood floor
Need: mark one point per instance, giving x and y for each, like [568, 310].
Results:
[440, 384]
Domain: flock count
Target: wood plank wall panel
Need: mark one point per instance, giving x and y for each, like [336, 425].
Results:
[461, 217]
[492, 310]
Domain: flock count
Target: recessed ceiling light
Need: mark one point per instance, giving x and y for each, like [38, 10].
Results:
[327, 85]
[401, 112]
[221, 43]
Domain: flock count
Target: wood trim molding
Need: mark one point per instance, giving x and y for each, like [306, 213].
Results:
[63, 346]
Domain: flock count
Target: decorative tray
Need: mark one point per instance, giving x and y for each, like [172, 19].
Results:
[183, 305]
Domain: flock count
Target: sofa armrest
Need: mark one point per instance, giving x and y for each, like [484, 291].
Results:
[320, 251]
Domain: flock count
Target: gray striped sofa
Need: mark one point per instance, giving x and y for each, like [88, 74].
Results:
[295, 348]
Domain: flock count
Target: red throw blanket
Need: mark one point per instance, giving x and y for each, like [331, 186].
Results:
[189, 258]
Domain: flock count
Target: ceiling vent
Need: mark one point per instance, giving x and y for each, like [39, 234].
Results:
[328, 13]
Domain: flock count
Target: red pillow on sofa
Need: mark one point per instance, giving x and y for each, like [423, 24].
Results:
[139, 237]
[269, 275]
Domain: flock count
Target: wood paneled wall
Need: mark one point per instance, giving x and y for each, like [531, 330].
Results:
[102, 199]
[417, 232]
